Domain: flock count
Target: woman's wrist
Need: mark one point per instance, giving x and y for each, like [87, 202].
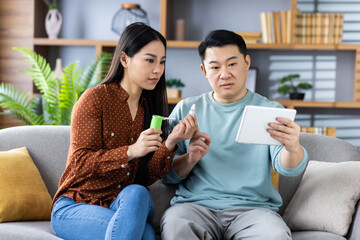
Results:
[129, 153]
[170, 145]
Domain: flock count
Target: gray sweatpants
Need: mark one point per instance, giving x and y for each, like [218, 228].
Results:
[192, 221]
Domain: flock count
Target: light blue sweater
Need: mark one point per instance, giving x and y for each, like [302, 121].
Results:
[230, 175]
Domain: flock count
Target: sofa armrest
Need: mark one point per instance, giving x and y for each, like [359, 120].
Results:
[354, 230]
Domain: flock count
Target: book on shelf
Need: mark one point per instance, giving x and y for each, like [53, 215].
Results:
[288, 26]
[263, 25]
[319, 28]
[328, 131]
[283, 27]
[275, 26]
[270, 27]
[277, 30]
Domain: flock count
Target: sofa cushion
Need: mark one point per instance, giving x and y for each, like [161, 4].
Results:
[29, 230]
[321, 148]
[326, 198]
[315, 235]
[23, 194]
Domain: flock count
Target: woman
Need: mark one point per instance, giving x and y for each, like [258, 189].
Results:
[113, 154]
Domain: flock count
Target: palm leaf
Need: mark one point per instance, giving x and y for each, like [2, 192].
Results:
[42, 76]
[40, 71]
[96, 70]
[16, 103]
[70, 92]
[50, 103]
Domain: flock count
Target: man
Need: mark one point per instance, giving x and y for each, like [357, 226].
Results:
[225, 189]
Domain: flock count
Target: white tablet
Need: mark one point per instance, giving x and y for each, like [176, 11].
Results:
[255, 120]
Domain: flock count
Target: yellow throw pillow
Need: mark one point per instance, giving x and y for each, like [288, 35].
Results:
[275, 179]
[23, 194]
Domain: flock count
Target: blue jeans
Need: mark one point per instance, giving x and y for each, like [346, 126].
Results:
[129, 217]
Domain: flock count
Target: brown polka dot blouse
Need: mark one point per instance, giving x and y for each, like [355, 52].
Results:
[102, 128]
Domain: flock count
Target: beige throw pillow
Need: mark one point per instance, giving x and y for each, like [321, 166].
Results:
[326, 198]
[23, 194]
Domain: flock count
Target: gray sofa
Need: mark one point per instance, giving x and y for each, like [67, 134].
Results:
[48, 147]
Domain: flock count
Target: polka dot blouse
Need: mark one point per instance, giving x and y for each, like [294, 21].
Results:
[102, 128]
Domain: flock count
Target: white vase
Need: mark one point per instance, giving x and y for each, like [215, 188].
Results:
[53, 22]
[58, 69]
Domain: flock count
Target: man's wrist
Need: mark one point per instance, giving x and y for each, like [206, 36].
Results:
[191, 160]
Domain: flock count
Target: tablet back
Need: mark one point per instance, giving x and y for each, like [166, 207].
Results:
[255, 120]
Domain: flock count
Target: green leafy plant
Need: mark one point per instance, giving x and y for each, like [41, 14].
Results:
[52, 4]
[287, 84]
[174, 83]
[57, 96]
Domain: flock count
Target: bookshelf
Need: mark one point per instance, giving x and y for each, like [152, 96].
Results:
[166, 15]
[41, 43]
[37, 39]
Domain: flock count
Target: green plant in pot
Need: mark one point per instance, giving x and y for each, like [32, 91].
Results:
[287, 86]
[173, 87]
[57, 96]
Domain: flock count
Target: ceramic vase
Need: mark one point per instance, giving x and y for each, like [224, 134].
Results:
[53, 23]
[58, 69]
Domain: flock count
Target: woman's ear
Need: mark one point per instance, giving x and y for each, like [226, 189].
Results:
[124, 59]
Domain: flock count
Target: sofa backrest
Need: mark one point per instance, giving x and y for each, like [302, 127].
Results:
[48, 147]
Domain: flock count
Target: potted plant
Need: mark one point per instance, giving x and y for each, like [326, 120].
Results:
[287, 86]
[173, 86]
[57, 96]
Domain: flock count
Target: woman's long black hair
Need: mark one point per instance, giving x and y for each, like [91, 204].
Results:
[135, 37]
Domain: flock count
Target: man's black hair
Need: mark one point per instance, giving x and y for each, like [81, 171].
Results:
[220, 38]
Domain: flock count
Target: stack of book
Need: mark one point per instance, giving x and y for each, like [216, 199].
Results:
[276, 26]
[328, 131]
[310, 28]
[319, 28]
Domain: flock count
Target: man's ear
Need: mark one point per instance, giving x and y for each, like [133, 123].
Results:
[124, 59]
[203, 69]
[247, 62]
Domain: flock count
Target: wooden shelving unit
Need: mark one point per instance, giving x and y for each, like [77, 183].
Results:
[34, 36]
[103, 45]
[164, 19]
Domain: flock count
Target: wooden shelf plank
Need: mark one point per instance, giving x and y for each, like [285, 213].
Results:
[183, 44]
[300, 103]
[73, 42]
[193, 44]
[350, 47]
[318, 104]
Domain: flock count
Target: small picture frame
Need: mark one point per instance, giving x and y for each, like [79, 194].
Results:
[251, 79]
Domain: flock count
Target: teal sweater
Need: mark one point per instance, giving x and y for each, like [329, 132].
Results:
[230, 175]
